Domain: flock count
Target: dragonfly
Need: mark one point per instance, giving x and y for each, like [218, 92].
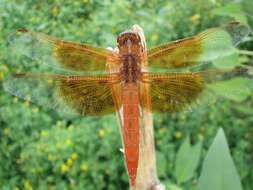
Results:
[93, 81]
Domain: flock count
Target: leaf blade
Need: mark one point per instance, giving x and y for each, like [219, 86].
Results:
[219, 171]
[187, 160]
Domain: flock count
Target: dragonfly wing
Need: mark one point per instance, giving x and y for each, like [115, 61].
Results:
[177, 91]
[85, 95]
[204, 47]
[60, 54]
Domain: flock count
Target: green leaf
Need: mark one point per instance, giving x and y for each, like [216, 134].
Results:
[174, 187]
[233, 10]
[187, 160]
[161, 164]
[237, 89]
[227, 62]
[219, 172]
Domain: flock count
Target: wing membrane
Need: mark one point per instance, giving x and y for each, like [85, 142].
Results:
[204, 47]
[58, 53]
[177, 91]
[86, 95]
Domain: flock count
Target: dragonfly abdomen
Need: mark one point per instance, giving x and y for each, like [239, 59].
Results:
[131, 129]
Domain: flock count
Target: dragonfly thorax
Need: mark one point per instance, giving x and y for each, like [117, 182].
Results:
[131, 68]
[130, 51]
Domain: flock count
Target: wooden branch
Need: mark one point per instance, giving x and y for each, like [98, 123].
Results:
[147, 178]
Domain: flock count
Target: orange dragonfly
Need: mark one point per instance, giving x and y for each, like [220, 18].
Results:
[94, 81]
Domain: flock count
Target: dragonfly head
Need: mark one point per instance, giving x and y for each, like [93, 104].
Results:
[128, 41]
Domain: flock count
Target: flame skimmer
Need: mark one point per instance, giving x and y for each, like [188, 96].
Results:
[77, 77]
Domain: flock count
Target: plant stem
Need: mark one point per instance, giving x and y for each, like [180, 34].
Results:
[245, 52]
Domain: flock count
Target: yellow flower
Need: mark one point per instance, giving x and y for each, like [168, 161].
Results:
[69, 142]
[178, 135]
[7, 131]
[64, 168]
[50, 81]
[28, 185]
[55, 11]
[44, 133]
[195, 19]
[101, 133]
[49, 157]
[1, 75]
[74, 156]
[35, 110]
[84, 167]
[3, 70]
[69, 162]
[154, 37]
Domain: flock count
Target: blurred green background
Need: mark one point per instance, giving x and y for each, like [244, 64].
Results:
[43, 149]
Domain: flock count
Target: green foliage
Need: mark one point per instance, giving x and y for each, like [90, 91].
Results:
[232, 10]
[187, 160]
[219, 171]
[174, 187]
[229, 89]
[228, 62]
[45, 149]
